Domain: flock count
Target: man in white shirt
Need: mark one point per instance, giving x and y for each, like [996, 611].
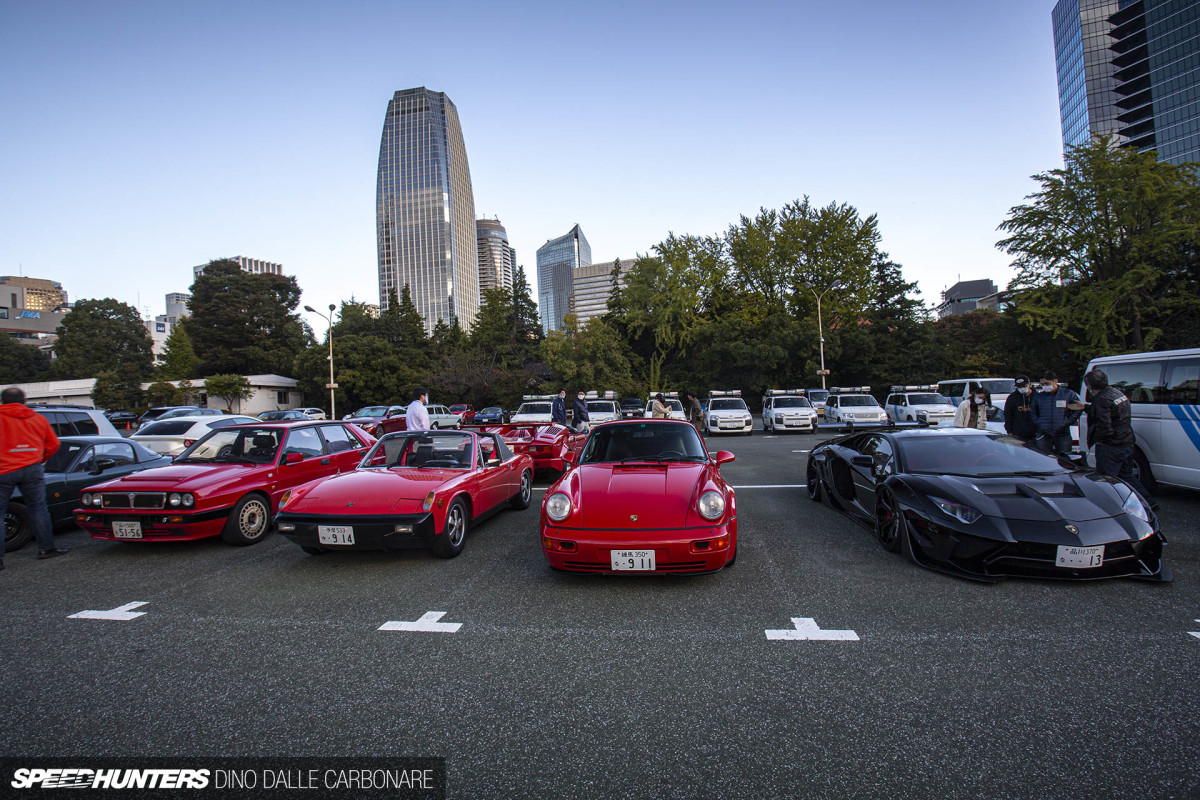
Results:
[416, 417]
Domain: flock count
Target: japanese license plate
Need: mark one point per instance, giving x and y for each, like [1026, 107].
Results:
[1085, 557]
[335, 534]
[127, 530]
[637, 560]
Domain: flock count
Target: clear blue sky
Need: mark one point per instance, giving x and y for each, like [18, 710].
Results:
[140, 139]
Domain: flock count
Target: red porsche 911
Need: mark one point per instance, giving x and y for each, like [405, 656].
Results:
[412, 489]
[644, 497]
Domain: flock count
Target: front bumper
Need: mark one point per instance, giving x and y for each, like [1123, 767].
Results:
[370, 532]
[675, 551]
[727, 426]
[159, 526]
[797, 424]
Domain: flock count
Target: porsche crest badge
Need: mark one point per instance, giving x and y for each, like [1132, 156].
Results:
[633, 517]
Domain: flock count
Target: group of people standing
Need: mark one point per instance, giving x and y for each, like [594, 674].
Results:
[579, 411]
[692, 409]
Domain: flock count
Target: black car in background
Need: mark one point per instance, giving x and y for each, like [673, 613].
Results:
[986, 506]
[122, 420]
[81, 461]
[492, 415]
[632, 408]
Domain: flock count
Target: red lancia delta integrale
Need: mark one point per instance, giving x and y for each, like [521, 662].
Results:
[645, 497]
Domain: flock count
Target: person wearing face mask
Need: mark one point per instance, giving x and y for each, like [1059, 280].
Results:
[1018, 412]
[558, 408]
[579, 413]
[1053, 414]
[972, 412]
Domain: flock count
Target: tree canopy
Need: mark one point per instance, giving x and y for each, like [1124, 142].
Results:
[102, 336]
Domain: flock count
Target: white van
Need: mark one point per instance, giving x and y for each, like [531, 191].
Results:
[959, 390]
[1162, 392]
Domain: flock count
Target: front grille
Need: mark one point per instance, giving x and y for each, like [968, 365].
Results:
[134, 500]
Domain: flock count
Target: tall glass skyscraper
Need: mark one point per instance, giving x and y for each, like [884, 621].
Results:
[425, 210]
[497, 259]
[557, 261]
[1130, 68]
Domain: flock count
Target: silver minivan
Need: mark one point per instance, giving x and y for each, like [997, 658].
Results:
[1162, 392]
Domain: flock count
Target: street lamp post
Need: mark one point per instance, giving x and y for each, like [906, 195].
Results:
[820, 324]
[331, 386]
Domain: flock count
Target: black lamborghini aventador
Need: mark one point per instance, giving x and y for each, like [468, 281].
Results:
[985, 506]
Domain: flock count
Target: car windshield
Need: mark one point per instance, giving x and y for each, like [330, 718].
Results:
[491, 410]
[63, 458]
[534, 408]
[458, 408]
[928, 400]
[421, 449]
[248, 445]
[976, 456]
[274, 415]
[792, 402]
[725, 404]
[369, 411]
[602, 406]
[179, 412]
[856, 400]
[643, 441]
[999, 387]
[170, 427]
[818, 395]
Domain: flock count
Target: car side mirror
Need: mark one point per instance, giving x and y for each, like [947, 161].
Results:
[493, 462]
[724, 457]
[101, 464]
[569, 457]
[293, 458]
[862, 461]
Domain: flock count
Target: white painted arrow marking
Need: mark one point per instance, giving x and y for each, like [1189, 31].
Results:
[428, 623]
[806, 629]
[120, 613]
[1195, 633]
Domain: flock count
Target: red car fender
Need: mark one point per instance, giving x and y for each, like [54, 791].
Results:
[570, 485]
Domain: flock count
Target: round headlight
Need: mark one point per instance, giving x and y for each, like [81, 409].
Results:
[711, 505]
[189, 500]
[558, 506]
[85, 499]
[174, 499]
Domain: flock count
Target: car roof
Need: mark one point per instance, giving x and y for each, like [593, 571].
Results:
[87, 438]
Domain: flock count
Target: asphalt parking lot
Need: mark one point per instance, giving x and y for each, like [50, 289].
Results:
[570, 686]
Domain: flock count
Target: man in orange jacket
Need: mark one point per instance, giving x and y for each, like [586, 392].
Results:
[26, 443]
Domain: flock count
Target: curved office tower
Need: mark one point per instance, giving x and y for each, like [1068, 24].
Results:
[425, 211]
[557, 261]
[497, 258]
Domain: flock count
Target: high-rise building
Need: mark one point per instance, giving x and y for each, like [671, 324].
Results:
[967, 296]
[255, 266]
[18, 293]
[425, 209]
[177, 305]
[593, 285]
[497, 259]
[1130, 68]
[557, 261]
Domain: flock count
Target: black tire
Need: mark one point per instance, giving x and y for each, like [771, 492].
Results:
[249, 521]
[812, 482]
[17, 529]
[1141, 471]
[450, 541]
[433, 426]
[314, 551]
[889, 522]
[520, 500]
[733, 560]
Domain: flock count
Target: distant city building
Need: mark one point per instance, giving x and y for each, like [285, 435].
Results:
[18, 293]
[497, 259]
[161, 326]
[557, 261]
[1130, 68]
[177, 307]
[372, 310]
[252, 265]
[425, 209]
[967, 296]
[593, 285]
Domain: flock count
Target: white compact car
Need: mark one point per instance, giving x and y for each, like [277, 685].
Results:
[920, 404]
[170, 437]
[854, 406]
[442, 417]
[602, 408]
[313, 413]
[817, 397]
[536, 408]
[674, 407]
[788, 410]
[727, 413]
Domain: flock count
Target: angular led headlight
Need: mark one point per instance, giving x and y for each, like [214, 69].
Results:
[711, 505]
[558, 506]
[1133, 506]
[957, 510]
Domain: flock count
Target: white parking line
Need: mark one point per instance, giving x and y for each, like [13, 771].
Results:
[1195, 633]
[428, 623]
[806, 629]
[120, 613]
[802, 451]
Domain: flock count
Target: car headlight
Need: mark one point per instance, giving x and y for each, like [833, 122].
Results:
[959, 511]
[558, 506]
[779, 417]
[1133, 506]
[428, 504]
[284, 498]
[711, 505]
[85, 499]
[174, 499]
[712, 420]
[189, 500]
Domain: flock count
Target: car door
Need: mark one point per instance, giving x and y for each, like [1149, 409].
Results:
[496, 476]
[867, 476]
[117, 458]
[1181, 451]
[315, 462]
[343, 447]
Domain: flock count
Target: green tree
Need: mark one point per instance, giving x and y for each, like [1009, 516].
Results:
[161, 393]
[102, 336]
[1106, 248]
[244, 323]
[180, 360]
[21, 363]
[591, 357]
[368, 370]
[229, 387]
[119, 388]
[186, 393]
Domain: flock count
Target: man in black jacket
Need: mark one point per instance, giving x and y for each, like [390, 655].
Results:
[1109, 429]
[579, 413]
[1018, 412]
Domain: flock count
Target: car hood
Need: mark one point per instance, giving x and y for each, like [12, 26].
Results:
[659, 495]
[185, 477]
[1073, 497]
[371, 491]
[728, 412]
